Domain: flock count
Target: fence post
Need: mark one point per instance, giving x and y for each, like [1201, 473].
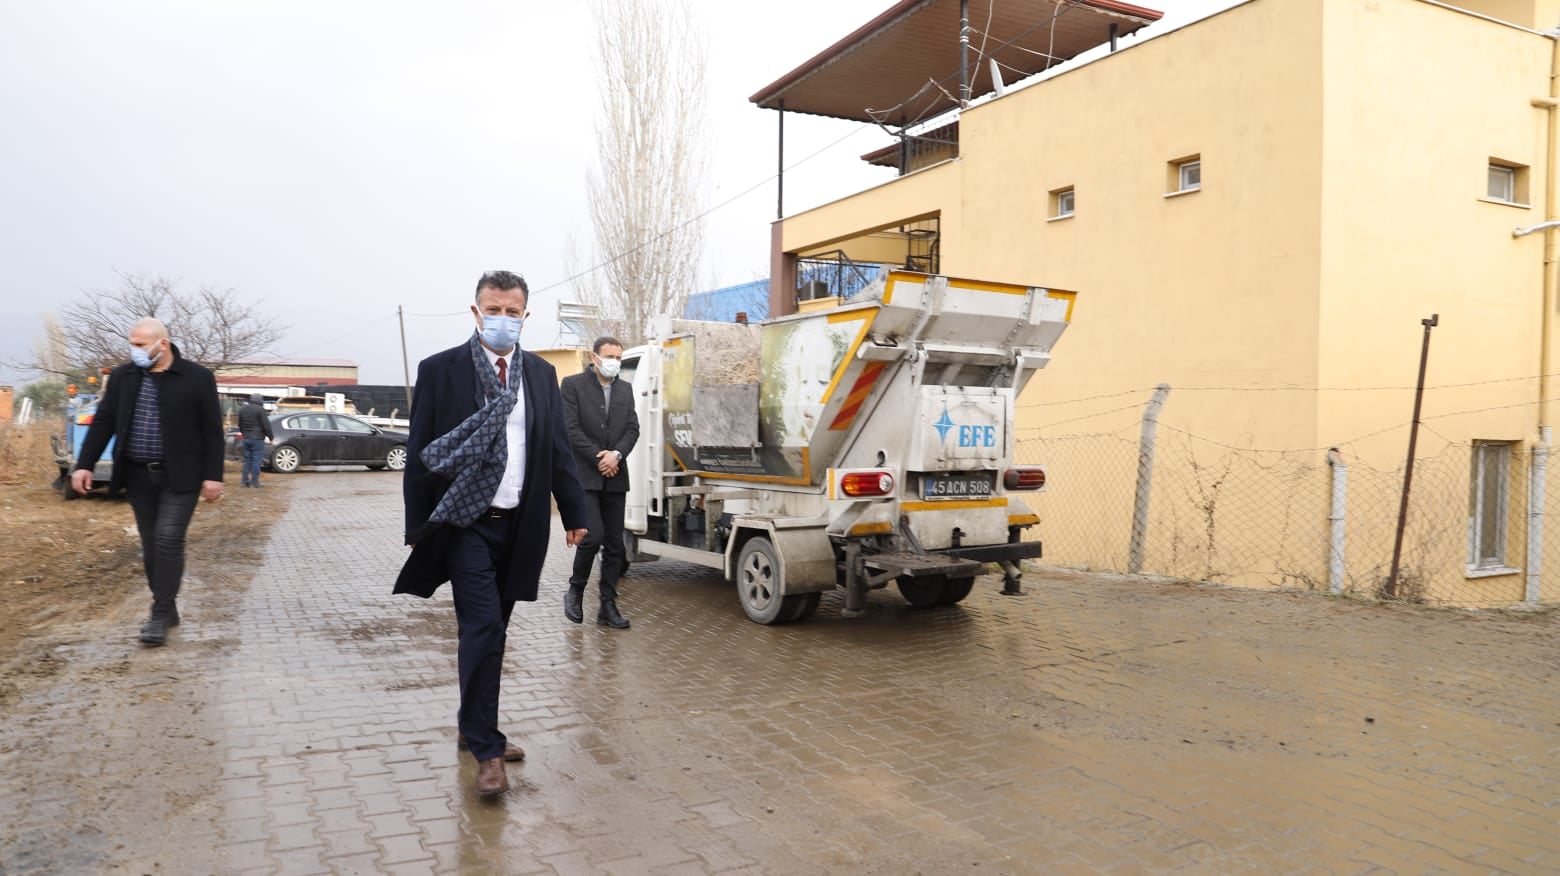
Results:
[1537, 472]
[1340, 492]
[1408, 468]
[1145, 478]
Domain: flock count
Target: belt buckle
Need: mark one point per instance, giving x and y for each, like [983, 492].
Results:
[154, 466]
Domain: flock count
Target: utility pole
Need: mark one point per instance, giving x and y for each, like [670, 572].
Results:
[406, 368]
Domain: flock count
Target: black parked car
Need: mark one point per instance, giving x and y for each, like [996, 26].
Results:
[318, 438]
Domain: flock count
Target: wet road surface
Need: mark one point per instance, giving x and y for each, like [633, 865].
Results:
[1097, 724]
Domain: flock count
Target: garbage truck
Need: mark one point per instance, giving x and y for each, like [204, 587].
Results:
[848, 448]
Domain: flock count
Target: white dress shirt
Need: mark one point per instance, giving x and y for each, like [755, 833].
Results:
[508, 495]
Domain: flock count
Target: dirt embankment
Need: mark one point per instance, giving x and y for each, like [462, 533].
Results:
[71, 567]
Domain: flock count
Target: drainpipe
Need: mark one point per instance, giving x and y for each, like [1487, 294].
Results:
[1340, 490]
[1540, 463]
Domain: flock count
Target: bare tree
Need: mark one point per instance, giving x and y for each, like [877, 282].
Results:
[212, 326]
[645, 189]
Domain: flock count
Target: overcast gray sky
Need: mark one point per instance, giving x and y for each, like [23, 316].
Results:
[336, 159]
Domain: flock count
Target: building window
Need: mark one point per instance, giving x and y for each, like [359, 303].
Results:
[1488, 489]
[1183, 175]
[1062, 203]
[1506, 183]
[1503, 183]
[1190, 175]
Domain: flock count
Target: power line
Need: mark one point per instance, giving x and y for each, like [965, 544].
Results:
[686, 222]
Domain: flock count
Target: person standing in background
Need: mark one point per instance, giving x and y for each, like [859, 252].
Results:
[603, 428]
[254, 429]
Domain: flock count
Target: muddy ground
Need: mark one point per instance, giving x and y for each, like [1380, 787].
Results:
[70, 567]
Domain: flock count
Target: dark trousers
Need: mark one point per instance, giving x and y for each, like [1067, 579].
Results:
[482, 617]
[162, 516]
[605, 520]
[254, 454]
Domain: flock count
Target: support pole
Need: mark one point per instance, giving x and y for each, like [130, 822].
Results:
[406, 366]
[1145, 478]
[1340, 492]
[964, 53]
[780, 169]
[1408, 469]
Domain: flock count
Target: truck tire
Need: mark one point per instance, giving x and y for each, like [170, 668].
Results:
[806, 607]
[759, 586]
[955, 589]
[630, 551]
[921, 592]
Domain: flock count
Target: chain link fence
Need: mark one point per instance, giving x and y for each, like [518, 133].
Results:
[1314, 520]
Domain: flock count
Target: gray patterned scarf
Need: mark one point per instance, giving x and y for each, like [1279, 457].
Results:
[474, 454]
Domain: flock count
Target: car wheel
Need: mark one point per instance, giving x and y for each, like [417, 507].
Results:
[286, 459]
[395, 460]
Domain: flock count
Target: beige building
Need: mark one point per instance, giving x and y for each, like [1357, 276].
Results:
[1257, 210]
[310, 373]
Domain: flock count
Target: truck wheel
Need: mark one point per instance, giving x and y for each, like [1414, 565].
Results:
[286, 459]
[759, 585]
[921, 592]
[630, 550]
[954, 590]
[806, 607]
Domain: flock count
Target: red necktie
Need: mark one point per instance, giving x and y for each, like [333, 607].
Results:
[503, 372]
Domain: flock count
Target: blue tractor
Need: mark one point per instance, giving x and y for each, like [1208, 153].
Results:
[79, 410]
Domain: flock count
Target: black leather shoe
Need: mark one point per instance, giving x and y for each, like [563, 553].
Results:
[608, 616]
[154, 631]
[574, 603]
[173, 619]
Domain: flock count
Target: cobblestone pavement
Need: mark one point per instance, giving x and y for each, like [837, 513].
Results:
[1097, 724]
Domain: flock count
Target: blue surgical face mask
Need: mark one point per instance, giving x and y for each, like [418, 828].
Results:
[501, 332]
[142, 358]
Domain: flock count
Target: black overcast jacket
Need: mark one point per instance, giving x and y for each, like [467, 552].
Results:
[191, 419]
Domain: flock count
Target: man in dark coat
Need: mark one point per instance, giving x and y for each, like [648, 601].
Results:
[487, 453]
[603, 428]
[254, 429]
[162, 411]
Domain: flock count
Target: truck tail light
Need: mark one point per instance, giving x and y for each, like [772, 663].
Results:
[1028, 477]
[867, 483]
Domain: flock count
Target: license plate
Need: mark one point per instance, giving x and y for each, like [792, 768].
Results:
[956, 486]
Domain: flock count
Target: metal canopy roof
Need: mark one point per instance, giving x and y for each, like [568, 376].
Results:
[903, 66]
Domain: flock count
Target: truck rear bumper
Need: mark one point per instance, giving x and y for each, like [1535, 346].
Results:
[996, 553]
